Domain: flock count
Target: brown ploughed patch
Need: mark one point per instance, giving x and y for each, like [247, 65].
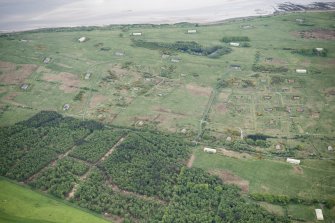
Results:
[230, 178]
[97, 99]
[15, 74]
[298, 170]
[198, 90]
[324, 34]
[234, 154]
[68, 82]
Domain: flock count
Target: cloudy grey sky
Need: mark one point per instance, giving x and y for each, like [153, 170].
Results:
[30, 14]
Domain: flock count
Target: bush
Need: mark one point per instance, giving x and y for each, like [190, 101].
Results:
[228, 39]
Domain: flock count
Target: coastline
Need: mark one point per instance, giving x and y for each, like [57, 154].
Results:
[174, 21]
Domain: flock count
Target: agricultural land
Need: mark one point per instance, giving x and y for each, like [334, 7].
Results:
[113, 125]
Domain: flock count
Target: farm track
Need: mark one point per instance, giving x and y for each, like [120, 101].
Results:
[53, 162]
[92, 165]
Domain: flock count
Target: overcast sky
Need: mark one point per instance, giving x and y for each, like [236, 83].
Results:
[28, 14]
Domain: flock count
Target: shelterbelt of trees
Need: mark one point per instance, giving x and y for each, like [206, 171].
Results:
[141, 178]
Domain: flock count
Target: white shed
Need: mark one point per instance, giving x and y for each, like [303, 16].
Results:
[293, 161]
[319, 49]
[136, 34]
[209, 150]
[301, 71]
[82, 39]
[192, 31]
[234, 44]
[87, 76]
[319, 215]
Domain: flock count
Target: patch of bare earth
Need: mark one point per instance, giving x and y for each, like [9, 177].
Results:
[230, 178]
[69, 82]
[298, 170]
[222, 108]
[190, 161]
[97, 99]
[198, 90]
[15, 74]
[165, 110]
[276, 61]
[234, 154]
[324, 34]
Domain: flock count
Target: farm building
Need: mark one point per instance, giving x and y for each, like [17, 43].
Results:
[46, 60]
[175, 60]
[301, 71]
[191, 31]
[235, 66]
[319, 49]
[293, 161]
[209, 150]
[295, 97]
[234, 44]
[66, 107]
[24, 87]
[330, 148]
[87, 76]
[267, 97]
[278, 146]
[319, 215]
[120, 54]
[136, 34]
[82, 39]
[268, 109]
[184, 131]
[290, 81]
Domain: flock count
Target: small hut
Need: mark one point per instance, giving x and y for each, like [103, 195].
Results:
[293, 161]
[319, 215]
[24, 87]
[136, 34]
[234, 44]
[82, 39]
[209, 150]
[46, 60]
[301, 71]
[191, 31]
[87, 76]
[66, 107]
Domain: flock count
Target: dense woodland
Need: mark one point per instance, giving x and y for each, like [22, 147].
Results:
[144, 179]
[192, 47]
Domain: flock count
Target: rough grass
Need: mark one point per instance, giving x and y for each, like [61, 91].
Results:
[22, 205]
[274, 177]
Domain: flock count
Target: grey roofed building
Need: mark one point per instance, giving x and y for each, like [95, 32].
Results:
[24, 86]
[66, 107]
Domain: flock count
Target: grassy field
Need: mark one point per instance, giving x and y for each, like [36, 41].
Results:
[312, 179]
[170, 90]
[147, 86]
[20, 204]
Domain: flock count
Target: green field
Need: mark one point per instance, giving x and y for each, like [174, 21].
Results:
[130, 87]
[22, 205]
[313, 179]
